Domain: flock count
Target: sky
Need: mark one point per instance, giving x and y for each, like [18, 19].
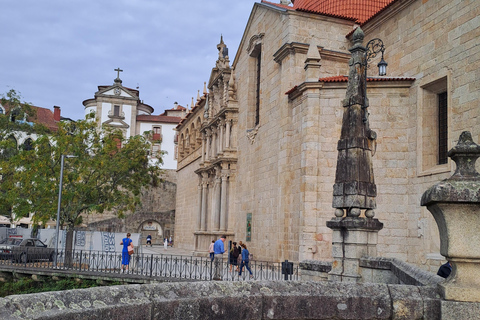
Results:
[57, 52]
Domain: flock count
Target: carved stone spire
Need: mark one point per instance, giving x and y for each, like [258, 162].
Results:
[223, 60]
[355, 188]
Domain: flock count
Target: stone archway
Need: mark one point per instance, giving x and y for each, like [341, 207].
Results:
[161, 225]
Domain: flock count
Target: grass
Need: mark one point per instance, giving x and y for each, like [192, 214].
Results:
[28, 285]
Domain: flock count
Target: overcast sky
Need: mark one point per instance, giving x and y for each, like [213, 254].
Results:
[56, 52]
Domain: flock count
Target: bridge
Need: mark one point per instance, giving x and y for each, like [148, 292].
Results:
[143, 268]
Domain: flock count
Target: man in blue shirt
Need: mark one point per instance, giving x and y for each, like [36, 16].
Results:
[218, 250]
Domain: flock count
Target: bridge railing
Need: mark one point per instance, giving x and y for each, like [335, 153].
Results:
[153, 265]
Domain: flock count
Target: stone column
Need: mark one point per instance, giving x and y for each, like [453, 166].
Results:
[203, 147]
[223, 212]
[209, 141]
[216, 219]
[227, 134]
[455, 205]
[200, 204]
[222, 134]
[204, 201]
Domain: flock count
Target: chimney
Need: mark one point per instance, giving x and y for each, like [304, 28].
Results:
[56, 113]
[175, 105]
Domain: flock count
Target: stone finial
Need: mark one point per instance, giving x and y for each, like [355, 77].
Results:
[204, 88]
[312, 62]
[455, 205]
[192, 105]
[198, 95]
[465, 154]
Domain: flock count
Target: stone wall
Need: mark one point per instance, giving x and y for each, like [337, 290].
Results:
[238, 300]
[157, 206]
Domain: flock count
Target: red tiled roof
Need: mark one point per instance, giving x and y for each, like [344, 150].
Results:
[160, 118]
[283, 6]
[345, 79]
[43, 116]
[369, 79]
[357, 10]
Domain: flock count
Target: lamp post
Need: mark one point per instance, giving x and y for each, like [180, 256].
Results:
[373, 47]
[62, 161]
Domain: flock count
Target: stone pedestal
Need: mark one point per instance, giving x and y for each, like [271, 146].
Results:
[352, 239]
[455, 205]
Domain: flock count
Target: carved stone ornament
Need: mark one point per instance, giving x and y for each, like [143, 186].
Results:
[252, 133]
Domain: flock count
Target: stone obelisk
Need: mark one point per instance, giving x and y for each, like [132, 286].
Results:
[354, 192]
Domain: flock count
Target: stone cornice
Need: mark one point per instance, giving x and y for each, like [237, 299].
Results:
[297, 47]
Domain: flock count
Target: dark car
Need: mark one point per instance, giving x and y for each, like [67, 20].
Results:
[24, 250]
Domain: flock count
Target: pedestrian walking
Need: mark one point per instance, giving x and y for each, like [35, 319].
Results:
[165, 243]
[234, 254]
[210, 250]
[218, 250]
[126, 242]
[245, 261]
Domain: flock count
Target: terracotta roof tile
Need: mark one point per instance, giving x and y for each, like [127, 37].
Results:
[369, 79]
[283, 6]
[43, 116]
[357, 10]
[345, 79]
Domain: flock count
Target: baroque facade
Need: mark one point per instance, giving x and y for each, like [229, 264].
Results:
[290, 77]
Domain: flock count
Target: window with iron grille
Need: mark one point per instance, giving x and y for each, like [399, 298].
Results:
[442, 128]
[257, 89]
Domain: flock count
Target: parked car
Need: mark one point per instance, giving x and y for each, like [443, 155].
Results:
[24, 250]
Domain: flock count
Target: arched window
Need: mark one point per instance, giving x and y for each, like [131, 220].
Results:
[28, 144]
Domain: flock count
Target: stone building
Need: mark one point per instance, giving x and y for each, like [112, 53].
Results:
[121, 107]
[282, 98]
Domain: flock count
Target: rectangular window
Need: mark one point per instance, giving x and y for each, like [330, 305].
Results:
[157, 133]
[116, 111]
[442, 128]
[257, 89]
[433, 127]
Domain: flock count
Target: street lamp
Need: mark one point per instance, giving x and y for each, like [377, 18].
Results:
[374, 47]
[62, 160]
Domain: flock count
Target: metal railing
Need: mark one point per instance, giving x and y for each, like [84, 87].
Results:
[151, 265]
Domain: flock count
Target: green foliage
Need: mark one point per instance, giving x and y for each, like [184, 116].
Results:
[28, 285]
[100, 176]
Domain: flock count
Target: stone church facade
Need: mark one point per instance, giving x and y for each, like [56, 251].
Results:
[261, 167]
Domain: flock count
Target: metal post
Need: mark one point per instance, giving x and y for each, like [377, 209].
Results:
[62, 159]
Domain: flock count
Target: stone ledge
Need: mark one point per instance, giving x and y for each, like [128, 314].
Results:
[316, 265]
[228, 300]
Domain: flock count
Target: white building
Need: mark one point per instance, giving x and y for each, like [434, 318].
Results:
[121, 107]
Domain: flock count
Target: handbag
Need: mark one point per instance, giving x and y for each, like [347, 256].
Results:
[130, 249]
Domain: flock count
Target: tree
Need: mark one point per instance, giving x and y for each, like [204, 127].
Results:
[105, 172]
[14, 124]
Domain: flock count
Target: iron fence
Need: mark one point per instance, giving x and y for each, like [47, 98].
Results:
[152, 265]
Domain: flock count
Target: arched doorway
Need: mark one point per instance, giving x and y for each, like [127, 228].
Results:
[154, 229]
